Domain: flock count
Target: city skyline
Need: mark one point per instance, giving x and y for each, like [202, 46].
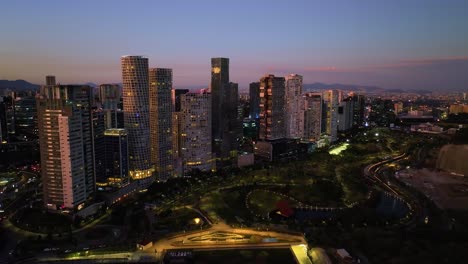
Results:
[421, 47]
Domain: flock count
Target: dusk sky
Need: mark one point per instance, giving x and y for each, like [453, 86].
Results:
[404, 44]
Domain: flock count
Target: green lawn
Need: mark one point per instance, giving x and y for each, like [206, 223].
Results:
[262, 202]
[40, 221]
[178, 220]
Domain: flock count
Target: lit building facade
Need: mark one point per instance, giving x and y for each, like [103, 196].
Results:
[195, 132]
[272, 108]
[294, 106]
[330, 114]
[66, 145]
[226, 126]
[161, 109]
[135, 95]
[312, 116]
[116, 173]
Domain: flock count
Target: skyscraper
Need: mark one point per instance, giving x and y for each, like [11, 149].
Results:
[345, 114]
[136, 117]
[65, 138]
[195, 132]
[116, 158]
[109, 96]
[312, 116]
[272, 108]
[359, 102]
[161, 109]
[226, 126]
[294, 106]
[254, 92]
[25, 118]
[330, 111]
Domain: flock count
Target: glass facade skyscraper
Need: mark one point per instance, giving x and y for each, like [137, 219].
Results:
[136, 116]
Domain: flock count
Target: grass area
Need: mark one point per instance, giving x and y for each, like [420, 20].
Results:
[228, 204]
[337, 150]
[320, 193]
[276, 255]
[178, 220]
[262, 202]
[37, 220]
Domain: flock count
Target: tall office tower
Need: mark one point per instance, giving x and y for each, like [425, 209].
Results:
[226, 127]
[359, 103]
[116, 158]
[99, 126]
[161, 109]
[272, 108]
[7, 118]
[254, 92]
[345, 114]
[195, 132]
[136, 117]
[65, 138]
[109, 96]
[234, 124]
[50, 80]
[312, 116]
[3, 121]
[330, 111]
[25, 118]
[176, 128]
[294, 106]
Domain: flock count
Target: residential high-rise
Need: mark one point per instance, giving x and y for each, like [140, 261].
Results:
[294, 106]
[136, 117]
[161, 109]
[254, 92]
[194, 146]
[272, 108]
[312, 116]
[66, 145]
[330, 114]
[226, 126]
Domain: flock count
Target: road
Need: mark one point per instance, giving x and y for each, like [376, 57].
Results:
[371, 172]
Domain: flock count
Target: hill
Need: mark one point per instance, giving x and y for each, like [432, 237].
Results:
[17, 85]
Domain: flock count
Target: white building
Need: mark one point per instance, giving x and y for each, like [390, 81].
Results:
[64, 124]
[294, 106]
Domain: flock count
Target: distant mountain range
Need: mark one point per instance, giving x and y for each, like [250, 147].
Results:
[21, 85]
[349, 87]
[17, 85]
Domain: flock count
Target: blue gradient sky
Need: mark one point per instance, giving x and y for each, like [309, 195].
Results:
[417, 44]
